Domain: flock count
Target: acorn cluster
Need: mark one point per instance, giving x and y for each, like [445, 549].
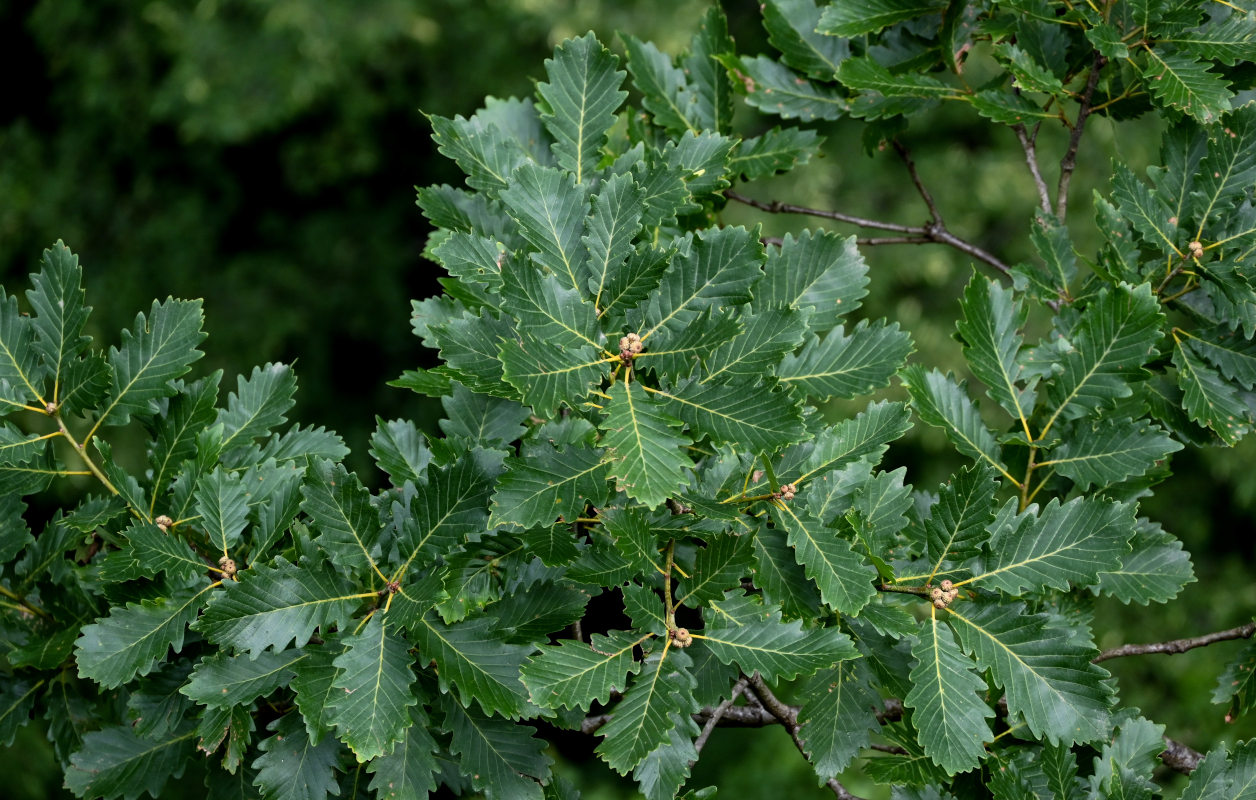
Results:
[164, 522]
[944, 594]
[786, 492]
[629, 346]
[227, 566]
[681, 637]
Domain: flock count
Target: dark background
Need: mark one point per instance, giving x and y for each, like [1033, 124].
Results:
[262, 156]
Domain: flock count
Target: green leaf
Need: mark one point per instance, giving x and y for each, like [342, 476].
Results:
[371, 694]
[838, 715]
[481, 419]
[1208, 398]
[294, 768]
[190, 411]
[866, 75]
[550, 208]
[582, 96]
[46, 652]
[117, 762]
[546, 484]
[222, 503]
[1236, 685]
[19, 360]
[474, 260]
[312, 684]
[448, 510]
[646, 455]
[943, 403]
[678, 351]
[473, 658]
[1111, 450]
[575, 675]
[60, 313]
[609, 231]
[843, 575]
[781, 578]
[950, 718]
[83, 384]
[702, 159]
[1124, 766]
[400, 450]
[643, 719]
[851, 18]
[1069, 543]
[779, 650]
[1007, 107]
[271, 606]
[710, 95]
[471, 349]
[791, 27]
[772, 152]
[485, 154]
[766, 336]
[716, 268]
[662, 84]
[866, 435]
[258, 404]
[548, 310]
[222, 680]
[1182, 82]
[498, 755]
[410, 769]
[773, 88]
[1230, 353]
[956, 527]
[1230, 166]
[666, 768]
[1047, 675]
[1113, 339]
[135, 638]
[1156, 569]
[847, 366]
[990, 331]
[348, 527]
[548, 375]
[1147, 212]
[161, 349]
[1027, 74]
[718, 567]
[755, 416]
[155, 550]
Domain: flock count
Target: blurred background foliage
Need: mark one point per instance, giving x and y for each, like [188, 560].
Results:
[262, 154]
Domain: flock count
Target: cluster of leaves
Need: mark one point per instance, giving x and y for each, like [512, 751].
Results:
[633, 396]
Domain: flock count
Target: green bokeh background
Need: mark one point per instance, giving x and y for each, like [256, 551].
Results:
[262, 154]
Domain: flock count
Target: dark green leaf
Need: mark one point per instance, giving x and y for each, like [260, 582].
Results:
[294, 768]
[135, 638]
[844, 577]
[950, 717]
[348, 527]
[847, 366]
[942, 402]
[159, 349]
[1182, 82]
[60, 314]
[775, 151]
[645, 453]
[546, 484]
[1156, 569]
[1110, 451]
[222, 680]
[409, 770]
[791, 27]
[773, 88]
[472, 657]
[990, 331]
[582, 96]
[497, 753]
[258, 404]
[116, 762]
[838, 715]
[575, 674]
[371, 694]
[851, 18]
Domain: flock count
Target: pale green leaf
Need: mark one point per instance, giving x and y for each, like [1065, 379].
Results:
[159, 349]
[662, 84]
[582, 96]
[371, 694]
[1229, 168]
[485, 154]
[1027, 74]
[1147, 212]
[1047, 675]
[476, 261]
[1069, 543]
[135, 638]
[484, 420]
[1229, 40]
[645, 449]
[950, 716]
[471, 347]
[846, 366]
[702, 159]
[1123, 768]
[710, 97]
[717, 267]
[271, 606]
[1008, 107]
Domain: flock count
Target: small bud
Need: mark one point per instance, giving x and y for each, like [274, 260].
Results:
[1196, 250]
[50, 408]
[681, 637]
[936, 594]
[163, 522]
[946, 585]
[939, 603]
[228, 566]
[624, 343]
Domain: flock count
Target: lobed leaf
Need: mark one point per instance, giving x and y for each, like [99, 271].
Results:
[134, 639]
[371, 694]
[779, 650]
[117, 762]
[950, 717]
[582, 96]
[573, 674]
[645, 453]
[159, 349]
[546, 484]
[847, 366]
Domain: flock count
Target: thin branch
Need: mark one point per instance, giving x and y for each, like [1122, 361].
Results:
[717, 714]
[880, 240]
[905, 154]
[1030, 145]
[788, 716]
[1178, 645]
[1069, 162]
[934, 232]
